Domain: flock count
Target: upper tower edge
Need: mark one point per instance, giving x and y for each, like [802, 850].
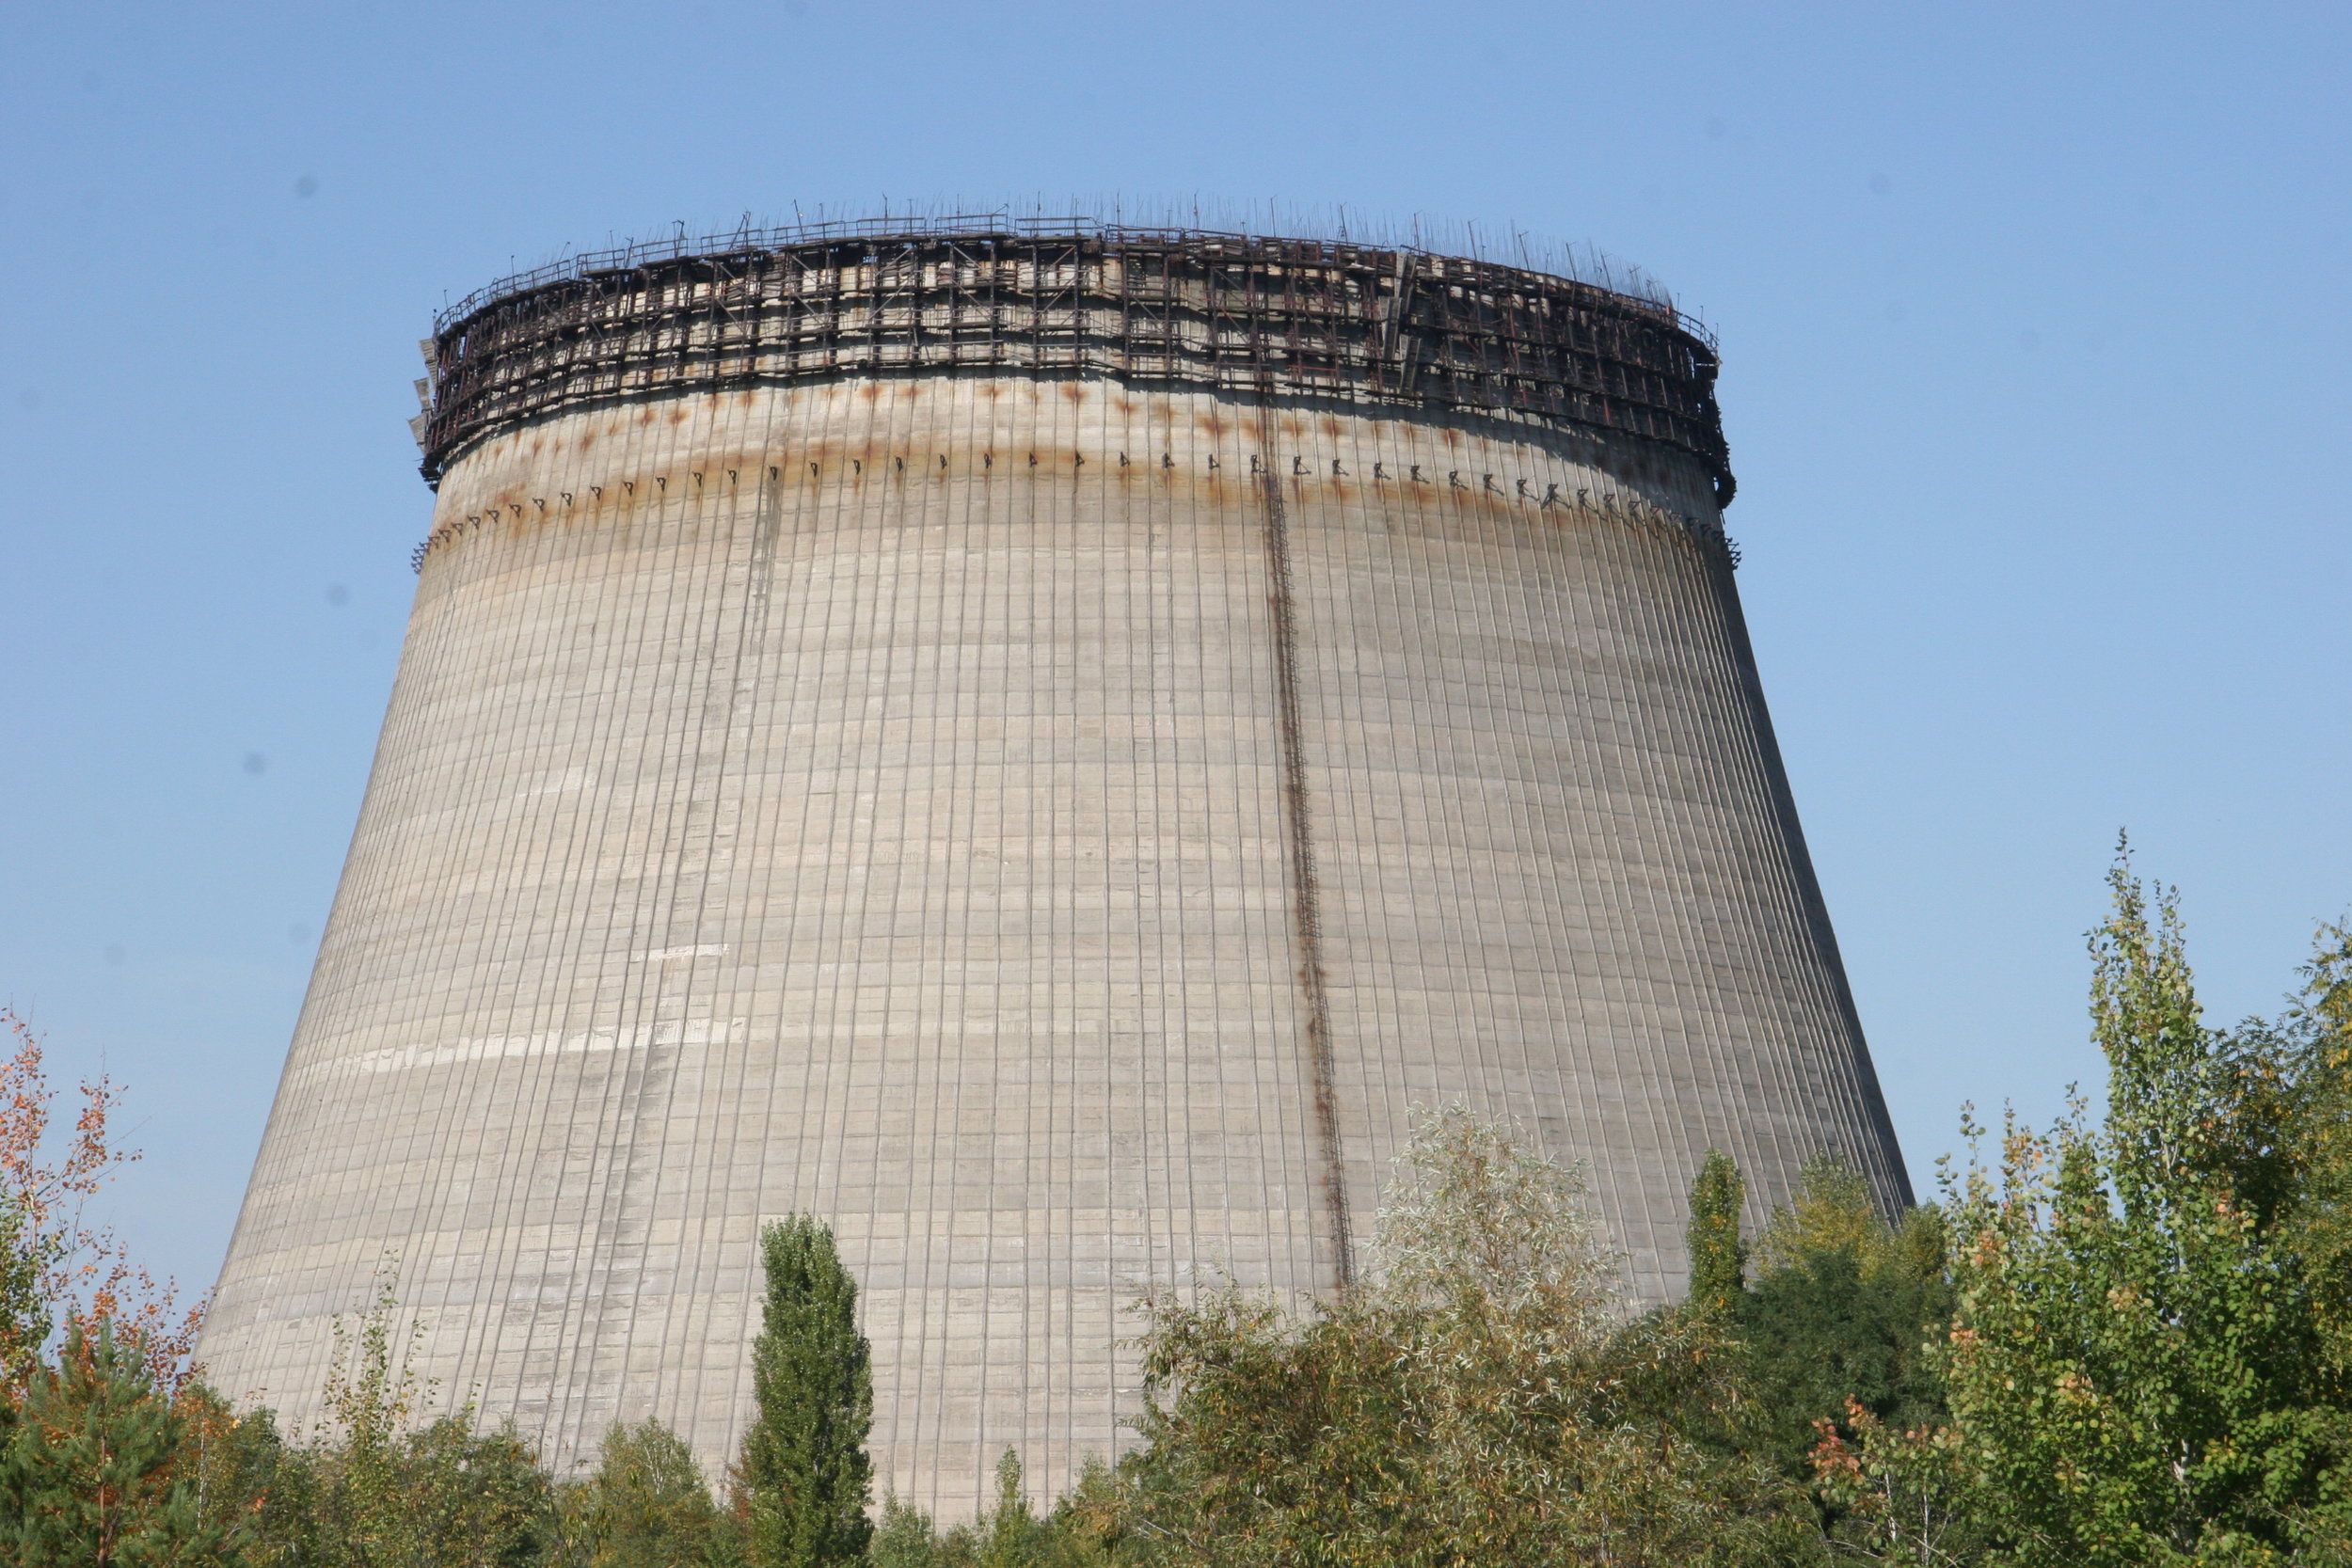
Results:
[1253, 315]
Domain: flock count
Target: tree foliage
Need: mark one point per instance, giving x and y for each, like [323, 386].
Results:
[1840, 1316]
[2142, 1371]
[95, 1470]
[646, 1505]
[382, 1484]
[2315, 1222]
[804, 1471]
[1084, 1531]
[2123, 1341]
[1483, 1400]
[57, 1272]
[1719, 1255]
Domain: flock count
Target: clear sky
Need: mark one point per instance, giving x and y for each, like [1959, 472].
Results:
[2033, 320]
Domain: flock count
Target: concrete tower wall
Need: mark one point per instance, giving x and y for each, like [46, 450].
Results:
[1055, 832]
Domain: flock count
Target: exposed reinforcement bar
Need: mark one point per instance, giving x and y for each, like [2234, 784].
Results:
[1330, 319]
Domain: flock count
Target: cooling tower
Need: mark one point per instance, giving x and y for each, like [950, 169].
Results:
[1041, 744]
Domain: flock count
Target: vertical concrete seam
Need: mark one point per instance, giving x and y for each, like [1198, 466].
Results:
[1305, 900]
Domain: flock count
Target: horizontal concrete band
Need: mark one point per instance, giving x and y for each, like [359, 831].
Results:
[1066, 881]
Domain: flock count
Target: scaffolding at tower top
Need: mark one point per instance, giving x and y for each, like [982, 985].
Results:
[1252, 314]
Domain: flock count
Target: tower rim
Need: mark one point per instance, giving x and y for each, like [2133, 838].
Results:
[1180, 308]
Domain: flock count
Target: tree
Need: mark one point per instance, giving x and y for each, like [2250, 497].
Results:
[646, 1506]
[381, 1486]
[1830, 1343]
[1010, 1534]
[1084, 1531]
[95, 1470]
[1841, 1316]
[55, 1271]
[250, 1489]
[2139, 1373]
[475, 1498]
[1481, 1398]
[805, 1468]
[2317, 1109]
[361, 1506]
[1719, 1257]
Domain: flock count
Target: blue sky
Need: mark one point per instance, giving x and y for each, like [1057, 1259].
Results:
[2032, 318]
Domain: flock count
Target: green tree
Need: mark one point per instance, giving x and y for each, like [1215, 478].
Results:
[1083, 1531]
[2140, 1372]
[1010, 1535]
[1481, 1399]
[93, 1473]
[381, 1486]
[1719, 1257]
[647, 1505]
[2317, 1111]
[1833, 1340]
[250, 1488]
[444, 1496]
[26, 1315]
[904, 1538]
[805, 1469]
[475, 1498]
[1842, 1315]
[357, 1482]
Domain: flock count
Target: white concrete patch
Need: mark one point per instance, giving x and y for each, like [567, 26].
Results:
[402, 1058]
[670, 955]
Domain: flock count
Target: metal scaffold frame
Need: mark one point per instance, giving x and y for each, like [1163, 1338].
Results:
[1326, 318]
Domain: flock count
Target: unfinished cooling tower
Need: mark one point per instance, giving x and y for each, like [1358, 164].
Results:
[1041, 744]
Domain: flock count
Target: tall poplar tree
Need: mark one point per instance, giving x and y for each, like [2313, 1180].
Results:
[804, 1465]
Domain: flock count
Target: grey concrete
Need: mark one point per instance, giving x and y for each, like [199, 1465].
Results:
[797, 798]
